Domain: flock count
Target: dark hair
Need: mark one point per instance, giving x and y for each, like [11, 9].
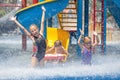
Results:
[57, 43]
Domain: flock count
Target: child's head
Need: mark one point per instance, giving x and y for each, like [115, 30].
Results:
[87, 41]
[57, 43]
[34, 30]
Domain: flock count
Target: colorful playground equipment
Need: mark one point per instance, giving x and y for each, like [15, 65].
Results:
[32, 15]
[54, 34]
[70, 15]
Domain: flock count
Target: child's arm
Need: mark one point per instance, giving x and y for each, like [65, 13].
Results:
[49, 50]
[20, 26]
[65, 51]
[81, 38]
[97, 39]
[42, 20]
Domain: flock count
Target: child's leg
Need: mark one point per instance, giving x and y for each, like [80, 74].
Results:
[56, 61]
[42, 62]
[45, 61]
[34, 62]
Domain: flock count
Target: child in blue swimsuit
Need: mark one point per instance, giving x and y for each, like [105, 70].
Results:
[37, 38]
[87, 46]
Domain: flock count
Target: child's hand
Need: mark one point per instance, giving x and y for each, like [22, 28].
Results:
[13, 18]
[43, 8]
[82, 32]
[95, 33]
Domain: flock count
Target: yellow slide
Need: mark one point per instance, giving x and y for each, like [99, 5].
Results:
[54, 34]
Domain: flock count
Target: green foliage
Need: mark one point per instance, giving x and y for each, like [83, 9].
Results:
[108, 14]
[5, 10]
[2, 13]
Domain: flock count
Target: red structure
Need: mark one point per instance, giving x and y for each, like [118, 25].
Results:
[35, 1]
[101, 22]
[24, 38]
[24, 3]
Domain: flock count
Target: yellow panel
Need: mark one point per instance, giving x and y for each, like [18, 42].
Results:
[54, 34]
[64, 37]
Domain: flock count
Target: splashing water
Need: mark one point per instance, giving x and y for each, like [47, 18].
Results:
[7, 16]
[15, 64]
[10, 14]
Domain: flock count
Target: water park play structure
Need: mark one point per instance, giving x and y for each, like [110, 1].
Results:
[34, 18]
[70, 17]
[15, 64]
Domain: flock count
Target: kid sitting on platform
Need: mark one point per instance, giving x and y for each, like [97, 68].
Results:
[86, 45]
[59, 49]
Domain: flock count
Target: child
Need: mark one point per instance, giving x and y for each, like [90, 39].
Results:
[86, 46]
[37, 38]
[59, 49]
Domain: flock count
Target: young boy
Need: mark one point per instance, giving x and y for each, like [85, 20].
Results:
[37, 38]
[86, 45]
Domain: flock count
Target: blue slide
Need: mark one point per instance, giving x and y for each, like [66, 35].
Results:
[114, 8]
[32, 14]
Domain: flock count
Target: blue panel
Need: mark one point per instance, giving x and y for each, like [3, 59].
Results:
[105, 14]
[114, 8]
[86, 17]
[41, 0]
[32, 15]
[50, 22]
[117, 2]
[79, 22]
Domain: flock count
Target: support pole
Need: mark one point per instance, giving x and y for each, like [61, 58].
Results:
[50, 22]
[105, 17]
[24, 3]
[86, 17]
[79, 22]
[24, 42]
[24, 38]
[94, 18]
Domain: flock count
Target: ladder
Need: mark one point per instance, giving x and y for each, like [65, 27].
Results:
[98, 18]
[68, 17]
